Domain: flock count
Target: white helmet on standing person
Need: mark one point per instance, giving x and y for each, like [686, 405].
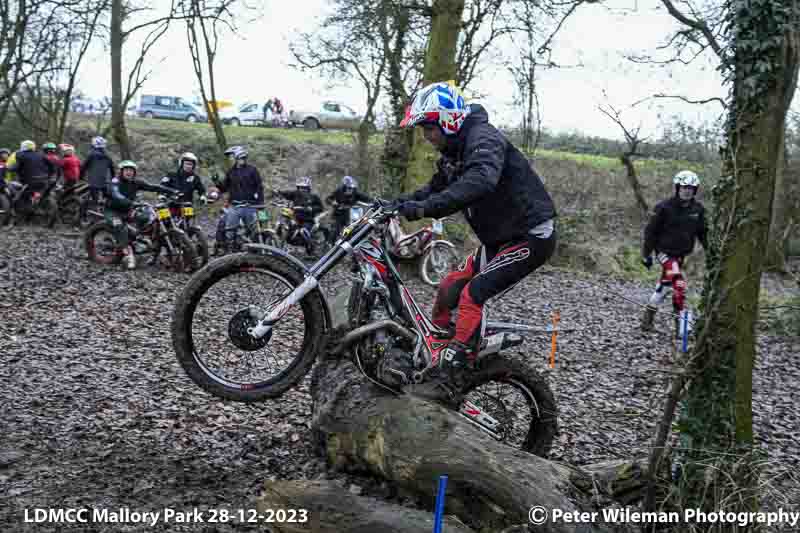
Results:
[686, 178]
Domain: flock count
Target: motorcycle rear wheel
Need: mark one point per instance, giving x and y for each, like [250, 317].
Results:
[529, 420]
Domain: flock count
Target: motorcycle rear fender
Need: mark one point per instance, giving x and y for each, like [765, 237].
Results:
[298, 265]
[440, 241]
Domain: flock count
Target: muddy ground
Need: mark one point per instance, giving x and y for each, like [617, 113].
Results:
[96, 411]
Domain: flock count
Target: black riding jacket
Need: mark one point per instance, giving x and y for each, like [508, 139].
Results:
[121, 193]
[99, 167]
[484, 175]
[306, 200]
[342, 198]
[187, 184]
[244, 184]
[673, 228]
[32, 166]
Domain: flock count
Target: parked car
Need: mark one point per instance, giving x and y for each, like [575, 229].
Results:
[330, 114]
[249, 114]
[173, 107]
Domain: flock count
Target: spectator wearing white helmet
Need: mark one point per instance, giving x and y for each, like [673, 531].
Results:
[671, 233]
[186, 179]
[100, 169]
[245, 188]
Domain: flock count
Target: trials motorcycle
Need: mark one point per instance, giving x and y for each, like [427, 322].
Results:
[248, 327]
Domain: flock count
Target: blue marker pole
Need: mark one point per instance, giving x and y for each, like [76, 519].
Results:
[437, 518]
[685, 329]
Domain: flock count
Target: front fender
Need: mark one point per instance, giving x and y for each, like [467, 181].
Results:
[440, 241]
[297, 264]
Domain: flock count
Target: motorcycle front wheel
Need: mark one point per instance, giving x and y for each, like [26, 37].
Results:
[70, 212]
[213, 313]
[182, 257]
[201, 246]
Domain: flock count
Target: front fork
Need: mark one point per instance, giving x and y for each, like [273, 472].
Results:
[311, 282]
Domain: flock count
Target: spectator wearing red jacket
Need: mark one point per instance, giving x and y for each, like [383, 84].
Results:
[70, 164]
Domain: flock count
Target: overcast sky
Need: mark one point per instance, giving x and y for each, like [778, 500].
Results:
[254, 65]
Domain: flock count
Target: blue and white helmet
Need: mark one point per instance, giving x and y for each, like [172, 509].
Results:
[98, 142]
[303, 182]
[237, 152]
[349, 182]
[438, 103]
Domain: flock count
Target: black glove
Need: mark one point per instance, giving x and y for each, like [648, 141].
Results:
[411, 210]
[647, 261]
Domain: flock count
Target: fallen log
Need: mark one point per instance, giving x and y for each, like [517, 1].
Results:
[410, 442]
[333, 509]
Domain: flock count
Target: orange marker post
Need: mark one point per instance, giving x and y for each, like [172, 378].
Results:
[556, 318]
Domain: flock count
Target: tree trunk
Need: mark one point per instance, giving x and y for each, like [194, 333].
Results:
[411, 442]
[213, 111]
[633, 181]
[719, 471]
[440, 65]
[333, 509]
[364, 132]
[117, 107]
[397, 142]
[781, 204]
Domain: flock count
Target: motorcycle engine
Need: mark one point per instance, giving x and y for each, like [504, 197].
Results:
[395, 368]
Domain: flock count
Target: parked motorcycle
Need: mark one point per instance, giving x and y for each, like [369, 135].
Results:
[436, 256]
[151, 229]
[249, 327]
[17, 201]
[289, 228]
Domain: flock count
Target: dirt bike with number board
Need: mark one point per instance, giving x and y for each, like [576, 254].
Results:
[151, 229]
[249, 326]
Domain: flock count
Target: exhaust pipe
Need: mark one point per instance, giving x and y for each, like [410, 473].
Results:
[367, 329]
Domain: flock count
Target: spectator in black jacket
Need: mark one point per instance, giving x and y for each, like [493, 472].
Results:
[342, 198]
[671, 232]
[33, 169]
[245, 188]
[505, 202]
[306, 205]
[100, 168]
